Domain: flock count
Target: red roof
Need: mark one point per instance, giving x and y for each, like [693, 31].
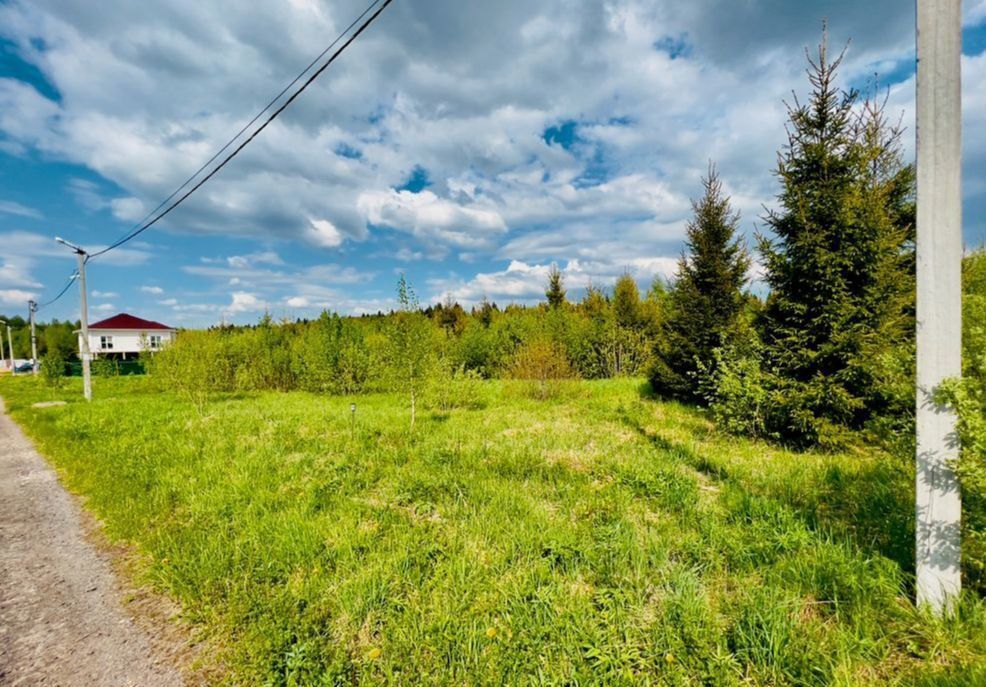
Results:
[125, 321]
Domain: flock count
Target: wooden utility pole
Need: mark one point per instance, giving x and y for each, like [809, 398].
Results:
[939, 298]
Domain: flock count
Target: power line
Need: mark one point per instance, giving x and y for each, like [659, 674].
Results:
[71, 280]
[148, 224]
[256, 117]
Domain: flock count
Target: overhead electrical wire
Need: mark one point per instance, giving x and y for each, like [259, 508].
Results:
[71, 280]
[256, 117]
[146, 224]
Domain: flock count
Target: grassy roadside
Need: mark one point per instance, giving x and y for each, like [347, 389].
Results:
[595, 538]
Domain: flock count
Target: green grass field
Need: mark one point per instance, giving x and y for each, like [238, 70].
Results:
[595, 538]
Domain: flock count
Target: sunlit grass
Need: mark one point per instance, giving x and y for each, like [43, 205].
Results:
[597, 537]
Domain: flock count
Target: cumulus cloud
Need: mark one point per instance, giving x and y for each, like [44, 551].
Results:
[323, 233]
[578, 135]
[471, 111]
[432, 219]
[153, 290]
[244, 302]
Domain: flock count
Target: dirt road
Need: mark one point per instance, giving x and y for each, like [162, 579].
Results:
[61, 619]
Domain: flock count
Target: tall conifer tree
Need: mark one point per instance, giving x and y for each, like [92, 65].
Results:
[839, 265]
[555, 291]
[707, 296]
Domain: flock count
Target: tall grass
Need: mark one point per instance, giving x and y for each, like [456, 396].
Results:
[590, 538]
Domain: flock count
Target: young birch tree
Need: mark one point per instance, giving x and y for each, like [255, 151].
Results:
[411, 350]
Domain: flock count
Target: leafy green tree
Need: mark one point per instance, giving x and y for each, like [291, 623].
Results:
[840, 264]
[555, 292]
[485, 311]
[411, 349]
[707, 297]
[60, 337]
[450, 316]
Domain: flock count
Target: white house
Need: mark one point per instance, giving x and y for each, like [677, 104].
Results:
[123, 335]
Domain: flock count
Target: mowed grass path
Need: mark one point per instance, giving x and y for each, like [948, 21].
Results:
[596, 538]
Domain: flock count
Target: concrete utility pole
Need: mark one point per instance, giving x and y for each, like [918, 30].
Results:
[939, 298]
[32, 308]
[83, 318]
[10, 349]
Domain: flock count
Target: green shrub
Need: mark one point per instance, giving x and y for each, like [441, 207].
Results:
[543, 363]
[265, 358]
[354, 366]
[53, 368]
[734, 388]
[744, 398]
[105, 367]
[451, 387]
[194, 365]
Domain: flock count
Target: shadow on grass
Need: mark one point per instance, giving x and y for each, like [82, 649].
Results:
[646, 392]
[869, 502]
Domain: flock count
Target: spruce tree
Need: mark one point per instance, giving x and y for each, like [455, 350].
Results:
[555, 292]
[839, 264]
[706, 298]
[626, 302]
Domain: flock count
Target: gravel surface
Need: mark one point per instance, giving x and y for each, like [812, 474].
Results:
[61, 619]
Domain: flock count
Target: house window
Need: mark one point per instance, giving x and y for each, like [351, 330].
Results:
[106, 343]
[155, 341]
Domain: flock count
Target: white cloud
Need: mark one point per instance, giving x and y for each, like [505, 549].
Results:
[23, 250]
[104, 294]
[973, 11]
[16, 297]
[244, 302]
[12, 208]
[128, 209]
[103, 307]
[298, 302]
[431, 218]
[323, 233]
[406, 254]
[248, 261]
[154, 290]
[522, 282]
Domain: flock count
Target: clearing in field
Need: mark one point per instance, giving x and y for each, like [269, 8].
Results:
[596, 537]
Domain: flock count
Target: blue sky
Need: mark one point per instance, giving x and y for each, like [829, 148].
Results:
[469, 145]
